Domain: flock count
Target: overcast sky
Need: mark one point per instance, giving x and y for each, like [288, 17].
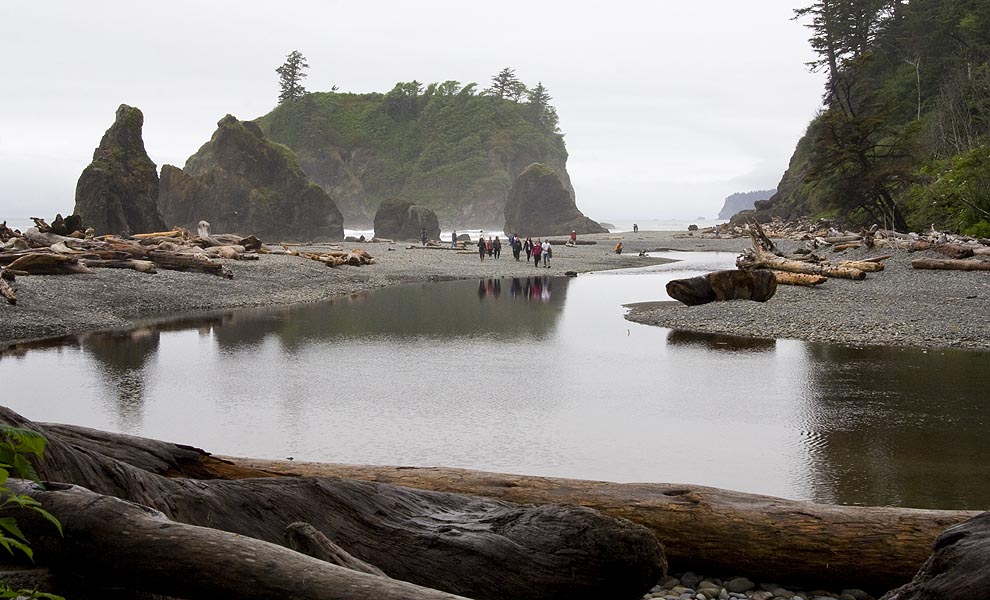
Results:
[667, 107]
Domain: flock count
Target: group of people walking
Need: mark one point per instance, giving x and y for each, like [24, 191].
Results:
[536, 251]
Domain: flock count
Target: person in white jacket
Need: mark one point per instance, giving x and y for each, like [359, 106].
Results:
[547, 253]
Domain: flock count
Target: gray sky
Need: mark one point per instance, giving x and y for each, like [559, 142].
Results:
[667, 107]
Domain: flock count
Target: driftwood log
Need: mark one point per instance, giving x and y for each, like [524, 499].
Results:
[480, 548]
[758, 259]
[957, 568]
[7, 292]
[133, 547]
[48, 264]
[723, 285]
[947, 264]
[708, 530]
[787, 278]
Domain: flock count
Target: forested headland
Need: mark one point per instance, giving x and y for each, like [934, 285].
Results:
[903, 137]
[448, 146]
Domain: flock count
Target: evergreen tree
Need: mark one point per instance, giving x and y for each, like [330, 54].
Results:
[291, 74]
[504, 84]
[540, 109]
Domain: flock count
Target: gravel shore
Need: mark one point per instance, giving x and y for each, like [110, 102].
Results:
[899, 306]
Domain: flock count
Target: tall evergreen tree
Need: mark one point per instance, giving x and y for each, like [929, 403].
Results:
[540, 109]
[504, 84]
[291, 74]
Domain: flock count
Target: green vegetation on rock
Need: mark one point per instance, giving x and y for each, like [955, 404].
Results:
[904, 134]
[443, 146]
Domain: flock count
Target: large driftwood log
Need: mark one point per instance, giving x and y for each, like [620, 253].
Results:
[757, 259]
[723, 285]
[946, 264]
[957, 569]
[48, 264]
[131, 546]
[188, 262]
[708, 530]
[476, 547]
[787, 278]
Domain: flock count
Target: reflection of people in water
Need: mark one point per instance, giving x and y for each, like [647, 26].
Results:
[489, 287]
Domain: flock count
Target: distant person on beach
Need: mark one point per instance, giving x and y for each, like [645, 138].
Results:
[481, 248]
[490, 245]
[453, 239]
[517, 248]
[635, 228]
[573, 237]
[618, 248]
[422, 235]
[547, 253]
[537, 252]
[528, 247]
[498, 247]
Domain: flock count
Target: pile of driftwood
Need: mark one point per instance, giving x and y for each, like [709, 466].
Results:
[800, 229]
[962, 253]
[64, 248]
[805, 266]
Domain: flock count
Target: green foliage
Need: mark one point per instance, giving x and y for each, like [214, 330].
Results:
[440, 145]
[16, 444]
[290, 75]
[906, 105]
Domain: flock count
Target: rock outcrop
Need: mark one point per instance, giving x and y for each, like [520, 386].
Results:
[539, 204]
[400, 220]
[241, 182]
[118, 191]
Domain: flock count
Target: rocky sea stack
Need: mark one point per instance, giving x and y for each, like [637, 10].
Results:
[400, 220]
[539, 204]
[117, 192]
[241, 182]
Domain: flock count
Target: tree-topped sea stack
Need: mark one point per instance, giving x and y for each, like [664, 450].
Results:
[241, 182]
[540, 205]
[117, 192]
[401, 220]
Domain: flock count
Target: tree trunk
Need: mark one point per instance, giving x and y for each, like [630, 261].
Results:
[6, 291]
[762, 260]
[48, 264]
[951, 265]
[723, 285]
[188, 262]
[120, 544]
[708, 530]
[869, 266]
[484, 549]
[957, 568]
[144, 266]
[787, 278]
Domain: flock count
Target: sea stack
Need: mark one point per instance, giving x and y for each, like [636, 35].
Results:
[118, 191]
[400, 220]
[241, 182]
[538, 204]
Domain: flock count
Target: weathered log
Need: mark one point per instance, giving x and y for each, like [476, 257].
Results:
[880, 258]
[957, 251]
[481, 548]
[760, 238]
[142, 266]
[38, 263]
[840, 239]
[6, 291]
[862, 265]
[957, 568]
[304, 538]
[787, 278]
[188, 262]
[844, 247]
[707, 530]
[723, 285]
[948, 264]
[131, 546]
[762, 260]
[175, 233]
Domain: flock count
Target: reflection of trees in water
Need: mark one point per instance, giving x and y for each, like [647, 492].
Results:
[121, 359]
[718, 342]
[897, 426]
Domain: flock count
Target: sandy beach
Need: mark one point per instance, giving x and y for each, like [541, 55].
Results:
[899, 306]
